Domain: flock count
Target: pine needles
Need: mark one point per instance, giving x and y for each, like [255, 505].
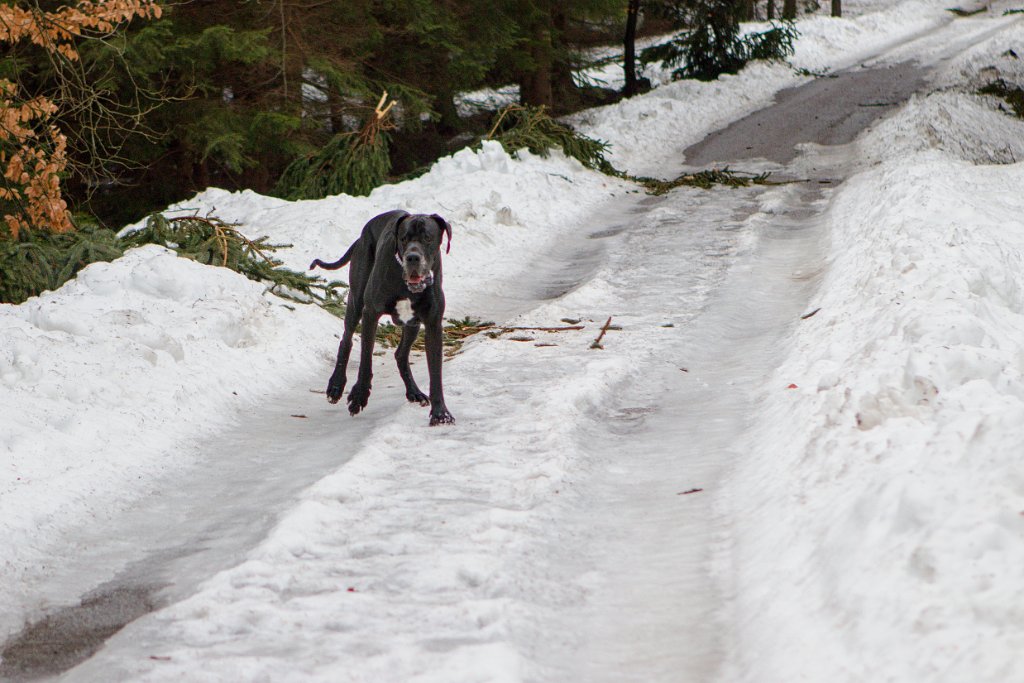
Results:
[518, 127]
[1012, 94]
[39, 261]
[966, 12]
[714, 44]
[211, 241]
[352, 163]
[453, 336]
[705, 180]
[524, 127]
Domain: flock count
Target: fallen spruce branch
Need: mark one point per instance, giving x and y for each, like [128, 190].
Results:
[1012, 94]
[352, 162]
[604, 329]
[456, 332]
[966, 12]
[705, 180]
[453, 335]
[211, 241]
[523, 127]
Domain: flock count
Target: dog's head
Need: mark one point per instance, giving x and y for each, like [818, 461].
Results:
[418, 248]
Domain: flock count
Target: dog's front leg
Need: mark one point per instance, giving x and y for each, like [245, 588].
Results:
[360, 393]
[438, 412]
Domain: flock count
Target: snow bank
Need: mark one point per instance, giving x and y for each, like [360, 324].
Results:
[110, 379]
[952, 117]
[966, 126]
[829, 43]
[498, 206]
[892, 472]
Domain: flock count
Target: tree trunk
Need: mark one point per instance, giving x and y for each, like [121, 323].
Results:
[629, 42]
[535, 84]
[771, 10]
[789, 9]
[535, 81]
[837, 8]
[747, 9]
[564, 91]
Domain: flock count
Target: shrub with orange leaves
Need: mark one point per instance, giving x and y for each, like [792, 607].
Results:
[33, 151]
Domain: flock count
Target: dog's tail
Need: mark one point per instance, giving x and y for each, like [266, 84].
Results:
[337, 264]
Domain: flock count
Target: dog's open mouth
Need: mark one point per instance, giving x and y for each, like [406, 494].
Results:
[417, 283]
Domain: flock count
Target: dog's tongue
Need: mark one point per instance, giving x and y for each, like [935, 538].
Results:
[414, 279]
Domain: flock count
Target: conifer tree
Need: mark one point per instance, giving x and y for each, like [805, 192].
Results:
[544, 57]
[711, 43]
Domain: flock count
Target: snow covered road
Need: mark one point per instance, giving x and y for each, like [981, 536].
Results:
[625, 513]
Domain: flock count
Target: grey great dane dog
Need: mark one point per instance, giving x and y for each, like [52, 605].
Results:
[395, 269]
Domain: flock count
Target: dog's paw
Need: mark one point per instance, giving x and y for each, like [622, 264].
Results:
[417, 396]
[358, 398]
[335, 388]
[441, 417]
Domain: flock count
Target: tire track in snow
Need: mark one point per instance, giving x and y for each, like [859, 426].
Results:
[650, 548]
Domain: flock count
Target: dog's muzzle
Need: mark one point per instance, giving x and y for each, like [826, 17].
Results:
[414, 279]
[417, 283]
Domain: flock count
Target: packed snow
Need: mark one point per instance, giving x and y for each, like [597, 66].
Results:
[874, 502]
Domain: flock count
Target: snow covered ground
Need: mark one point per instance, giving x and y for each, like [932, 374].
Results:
[866, 525]
[891, 472]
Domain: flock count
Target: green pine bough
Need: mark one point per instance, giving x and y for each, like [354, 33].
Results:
[1012, 94]
[39, 261]
[705, 180]
[524, 127]
[211, 241]
[351, 163]
[519, 127]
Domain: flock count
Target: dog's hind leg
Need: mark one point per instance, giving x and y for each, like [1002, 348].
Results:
[412, 392]
[336, 385]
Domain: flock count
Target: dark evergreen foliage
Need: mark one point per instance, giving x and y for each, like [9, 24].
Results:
[713, 43]
[1012, 94]
[353, 163]
[705, 180]
[523, 127]
[40, 261]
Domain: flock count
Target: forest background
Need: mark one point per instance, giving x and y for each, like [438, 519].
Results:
[116, 108]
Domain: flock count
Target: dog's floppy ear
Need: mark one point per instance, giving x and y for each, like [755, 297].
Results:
[446, 228]
[398, 225]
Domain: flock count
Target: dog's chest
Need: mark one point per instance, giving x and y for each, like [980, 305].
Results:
[403, 313]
